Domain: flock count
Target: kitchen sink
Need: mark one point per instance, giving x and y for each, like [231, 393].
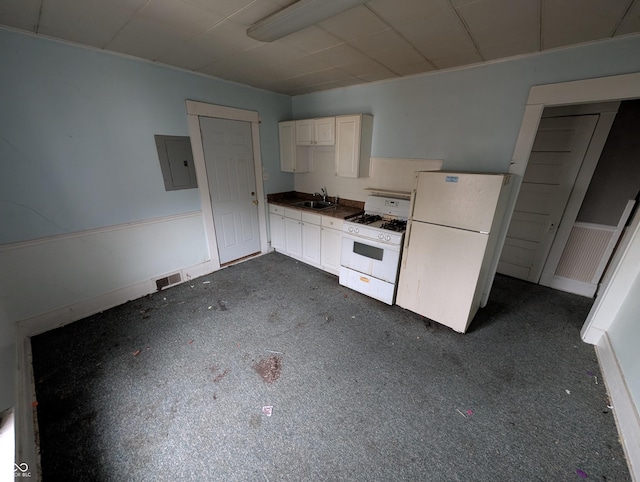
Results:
[315, 204]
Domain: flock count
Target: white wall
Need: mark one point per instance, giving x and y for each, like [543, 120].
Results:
[624, 334]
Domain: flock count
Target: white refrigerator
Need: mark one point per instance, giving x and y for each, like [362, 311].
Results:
[449, 255]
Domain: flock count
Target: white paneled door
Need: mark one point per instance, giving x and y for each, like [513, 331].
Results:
[228, 154]
[558, 151]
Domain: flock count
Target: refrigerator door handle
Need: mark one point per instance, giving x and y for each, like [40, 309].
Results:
[407, 237]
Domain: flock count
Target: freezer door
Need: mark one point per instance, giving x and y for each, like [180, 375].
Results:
[461, 200]
[439, 274]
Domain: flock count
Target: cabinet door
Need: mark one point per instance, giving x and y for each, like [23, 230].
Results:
[347, 145]
[276, 226]
[324, 130]
[331, 249]
[293, 237]
[304, 132]
[311, 243]
[287, 136]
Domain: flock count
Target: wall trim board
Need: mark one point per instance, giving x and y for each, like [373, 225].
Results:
[616, 283]
[68, 314]
[89, 232]
[581, 288]
[626, 416]
[221, 111]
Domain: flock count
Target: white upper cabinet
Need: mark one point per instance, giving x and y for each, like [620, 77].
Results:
[324, 131]
[316, 132]
[353, 145]
[292, 159]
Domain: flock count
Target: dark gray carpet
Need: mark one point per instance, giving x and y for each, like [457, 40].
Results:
[172, 386]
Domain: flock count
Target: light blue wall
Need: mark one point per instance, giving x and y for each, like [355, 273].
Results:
[470, 118]
[76, 136]
[77, 152]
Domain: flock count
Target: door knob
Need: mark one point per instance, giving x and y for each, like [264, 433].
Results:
[255, 201]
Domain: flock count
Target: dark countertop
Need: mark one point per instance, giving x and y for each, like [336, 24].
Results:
[345, 209]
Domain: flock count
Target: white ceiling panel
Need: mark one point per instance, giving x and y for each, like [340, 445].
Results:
[566, 22]
[500, 30]
[339, 55]
[378, 40]
[311, 39]
[456, 60]
[353, 23]
[441, 36]
[90, 22]
[224, 40]
[188, 56]
[22, 14]
[411, 69]
[390, 49]
[179, 16]
[295, 68]
[255, 11]
[225, 9]
[161, 26]
[368, 68]
[409, 11]
[631, 22]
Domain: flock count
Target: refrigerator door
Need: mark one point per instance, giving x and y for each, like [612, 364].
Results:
[456, 199]
[440, 272]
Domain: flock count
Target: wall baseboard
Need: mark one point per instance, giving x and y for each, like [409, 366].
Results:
[624, 409]
[26, 423]
[68, 314]
[581, 288]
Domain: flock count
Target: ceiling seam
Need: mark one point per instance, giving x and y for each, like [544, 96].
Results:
[623, 17]
[212, 27]
[388, 24]
[346, 42]
[541, 16]
[39, 15]
[467, 30]
[138, 10]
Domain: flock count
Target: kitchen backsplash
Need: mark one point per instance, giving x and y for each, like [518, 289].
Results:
[393, 174]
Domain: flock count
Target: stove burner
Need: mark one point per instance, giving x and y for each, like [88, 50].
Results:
[395, 225]
[367, 219]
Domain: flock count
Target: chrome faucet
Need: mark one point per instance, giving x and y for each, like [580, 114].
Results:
[323, 195]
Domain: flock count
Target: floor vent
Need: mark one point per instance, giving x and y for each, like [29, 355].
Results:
[172, 279]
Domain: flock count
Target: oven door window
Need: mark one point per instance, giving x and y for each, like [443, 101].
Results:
[368, 251]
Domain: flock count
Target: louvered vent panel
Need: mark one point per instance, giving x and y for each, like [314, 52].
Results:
[172, 279]
[583, 252]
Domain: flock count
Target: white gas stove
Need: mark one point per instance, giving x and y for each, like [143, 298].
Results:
[371, 246]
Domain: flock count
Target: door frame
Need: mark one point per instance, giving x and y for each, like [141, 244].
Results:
[195, 110]
[606, 112]
[602, 89]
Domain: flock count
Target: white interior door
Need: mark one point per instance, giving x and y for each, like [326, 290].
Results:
[558, 151]
[228, 154]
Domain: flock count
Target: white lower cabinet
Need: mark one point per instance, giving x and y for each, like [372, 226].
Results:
[331, 244]
[309, 237]
[293, 232]
[276, 227]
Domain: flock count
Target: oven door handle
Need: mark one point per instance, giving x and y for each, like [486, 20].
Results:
[371, 242]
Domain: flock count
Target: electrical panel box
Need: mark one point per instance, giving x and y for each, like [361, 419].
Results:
[176, 162]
